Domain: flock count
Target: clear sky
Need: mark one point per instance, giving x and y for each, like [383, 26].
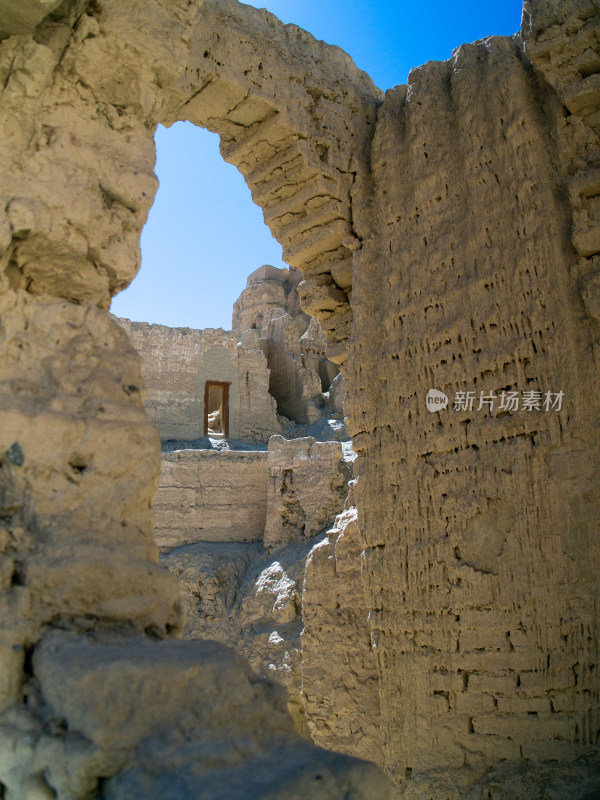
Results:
[204, 234]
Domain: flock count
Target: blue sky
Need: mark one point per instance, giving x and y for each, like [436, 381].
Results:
[204, 234]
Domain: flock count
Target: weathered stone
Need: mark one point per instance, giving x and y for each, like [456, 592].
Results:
[267, 288]
[70, 395]
[21, 16]
[211, 575]
[278, 356]
[296, 387]
[340, 686]
[337, 394]
[12, 675]
[474, 510]
[238, 595]
[307, 487]
[153, 698]
[314, 354]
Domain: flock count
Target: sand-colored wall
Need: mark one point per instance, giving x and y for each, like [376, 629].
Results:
[208, 496]
[177, 362]
[91, 702]
[480, 525]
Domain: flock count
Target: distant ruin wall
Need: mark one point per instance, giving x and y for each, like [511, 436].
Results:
[267, 288]
[340, 686]
[288, 493]
[207, 496]
[177, 362]
[293, 342]
[306, 488]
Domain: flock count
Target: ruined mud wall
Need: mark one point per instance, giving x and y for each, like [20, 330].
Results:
[481, 524]
[83, 600]
[236, 528]
[176, 364]
[266, 288]
[307, 486]
[208, 496]
[288, 493]
[293, 342]
[84, 95]
[296, 387]
[340, 686]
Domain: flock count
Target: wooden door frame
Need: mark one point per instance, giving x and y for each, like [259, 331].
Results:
[225, 413]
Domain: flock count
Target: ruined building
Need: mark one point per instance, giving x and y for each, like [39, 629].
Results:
[239, 511]
[448, 236]
[216, 398]
[274, 362]
[203, 386]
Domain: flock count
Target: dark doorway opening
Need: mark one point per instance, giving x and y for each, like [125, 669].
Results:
[216, 408]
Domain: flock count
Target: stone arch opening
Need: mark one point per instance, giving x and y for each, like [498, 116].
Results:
[204, 228]
[294, 115]
[300, 139]
[80, 101]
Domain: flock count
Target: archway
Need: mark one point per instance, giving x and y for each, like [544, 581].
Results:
[81, 100]
[300, 138]
[202, 239]
[84, 97]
